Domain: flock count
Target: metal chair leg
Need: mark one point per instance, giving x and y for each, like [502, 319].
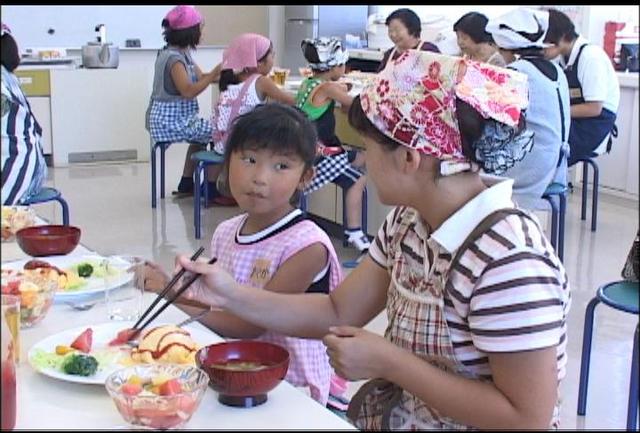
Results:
[65, 210]
[594, 201]
[632, 408]
[554, 223]
[586, 356]
[162, 159]
[585, 174]
[345, 243]
[153, 176]
[563, 212]
[364, 211]
[196, 200]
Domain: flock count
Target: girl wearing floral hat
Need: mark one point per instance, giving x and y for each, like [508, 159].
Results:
[476, 298]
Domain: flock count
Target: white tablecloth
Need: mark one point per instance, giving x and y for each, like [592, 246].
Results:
[47, 403]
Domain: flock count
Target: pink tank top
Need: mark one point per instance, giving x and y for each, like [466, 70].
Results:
[253, 260]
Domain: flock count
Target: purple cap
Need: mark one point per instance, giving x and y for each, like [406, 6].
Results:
[183, 17]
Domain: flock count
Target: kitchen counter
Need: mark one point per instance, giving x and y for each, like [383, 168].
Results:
[628, 79]
[366, 54]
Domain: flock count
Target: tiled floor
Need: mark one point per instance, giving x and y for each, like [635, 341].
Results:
[111, 203]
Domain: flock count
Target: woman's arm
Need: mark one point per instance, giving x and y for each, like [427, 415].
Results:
[183, 82]
[586, 109]
[522, 395]
[358, 299]
[266, 88]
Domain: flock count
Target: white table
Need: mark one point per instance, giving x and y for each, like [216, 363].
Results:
[47, 403]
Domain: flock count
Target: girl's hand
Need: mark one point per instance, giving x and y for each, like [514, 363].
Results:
[151, 277]
[216, 284]
[356, 354]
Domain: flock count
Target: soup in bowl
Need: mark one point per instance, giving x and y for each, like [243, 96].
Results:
[243, 371]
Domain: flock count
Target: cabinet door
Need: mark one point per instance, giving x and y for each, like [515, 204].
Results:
[323, 202]
[41, 108]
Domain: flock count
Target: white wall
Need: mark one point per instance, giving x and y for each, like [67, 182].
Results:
[75, 25]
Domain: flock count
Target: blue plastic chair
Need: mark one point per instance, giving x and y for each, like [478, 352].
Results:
[203, 159]
[558, 212]
[48, 194]
[623, 296]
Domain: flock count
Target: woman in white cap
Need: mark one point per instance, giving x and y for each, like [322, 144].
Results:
[476, 298]
[520, 34]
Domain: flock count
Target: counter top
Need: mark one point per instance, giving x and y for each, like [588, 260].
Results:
[366, 54]
[628, 79]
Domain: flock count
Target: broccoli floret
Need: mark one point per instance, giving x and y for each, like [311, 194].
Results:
[85, 270]
[81, 365]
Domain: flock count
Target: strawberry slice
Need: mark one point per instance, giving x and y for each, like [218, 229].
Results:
[122, 337]
[83, 341]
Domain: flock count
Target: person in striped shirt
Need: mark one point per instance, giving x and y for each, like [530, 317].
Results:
[23, 166]
[476, 298]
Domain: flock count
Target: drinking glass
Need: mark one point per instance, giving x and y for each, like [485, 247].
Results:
[123, 296]
[11, 318]
[8, 362]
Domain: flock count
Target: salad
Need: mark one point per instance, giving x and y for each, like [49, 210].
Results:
[77, 358]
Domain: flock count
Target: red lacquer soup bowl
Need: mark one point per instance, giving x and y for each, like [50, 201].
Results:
[243, 371]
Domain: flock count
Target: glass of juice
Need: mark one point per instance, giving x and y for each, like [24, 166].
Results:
[7, 368]
[11, 317]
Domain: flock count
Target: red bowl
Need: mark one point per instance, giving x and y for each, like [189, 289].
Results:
[245, 388]
[48, 240]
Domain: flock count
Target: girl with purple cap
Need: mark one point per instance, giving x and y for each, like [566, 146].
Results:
[23, 166]
[173, 110]
[476, 298]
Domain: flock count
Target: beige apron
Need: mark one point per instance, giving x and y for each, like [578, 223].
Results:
[418, 47]
[418, 324]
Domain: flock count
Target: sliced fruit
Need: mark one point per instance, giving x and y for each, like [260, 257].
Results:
[84, 341]
[131, 388]
[63, 350]
[135, 380]
[171, 387]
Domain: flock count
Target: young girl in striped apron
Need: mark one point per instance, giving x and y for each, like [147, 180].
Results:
[272, 246]
[23, 166]
[173, 112]
[476, 298]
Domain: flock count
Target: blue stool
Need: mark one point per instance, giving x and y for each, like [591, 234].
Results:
[203, 159]
[163, 146]
[47, 194]
[586, 162]
[557, 215]
[623, 296]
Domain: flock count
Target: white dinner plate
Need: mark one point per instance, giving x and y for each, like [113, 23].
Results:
[93, 286]
[102, 334]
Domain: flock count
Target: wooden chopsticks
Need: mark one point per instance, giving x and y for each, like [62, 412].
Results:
[175, 296]
[168, 287]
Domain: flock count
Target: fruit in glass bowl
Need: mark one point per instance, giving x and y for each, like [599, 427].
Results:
[15, 218]
[157, 396]
[36, 289]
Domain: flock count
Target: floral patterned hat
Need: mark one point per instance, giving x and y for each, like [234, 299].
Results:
[413, 101]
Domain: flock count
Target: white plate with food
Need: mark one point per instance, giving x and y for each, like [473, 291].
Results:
[65, 355]
[78, 276]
